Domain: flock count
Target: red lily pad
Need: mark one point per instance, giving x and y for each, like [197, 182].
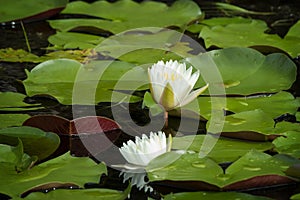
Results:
[85, 136]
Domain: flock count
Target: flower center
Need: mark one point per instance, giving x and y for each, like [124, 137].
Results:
[171, 77]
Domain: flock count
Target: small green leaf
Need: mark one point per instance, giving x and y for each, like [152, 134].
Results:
[35, 141]
[288, 143]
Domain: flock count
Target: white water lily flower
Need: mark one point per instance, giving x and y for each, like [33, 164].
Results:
[144, 149]
[171, 84]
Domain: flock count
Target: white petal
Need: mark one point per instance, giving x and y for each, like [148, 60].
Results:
[193, 95]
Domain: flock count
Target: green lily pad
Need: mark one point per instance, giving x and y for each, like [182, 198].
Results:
[63, 169]
[12, 101]
[274, 105]
[87, 194]
[231, 149]
[298, 116]
[288, 143]
[71, 82]
[247, 124]
[69, 40]
[295, 196]
[213, 195]
[35, 141]
[127, 14]
[145, 45]
[25, 8]
[240, 174]
[251, 34]
[218, 21]
[8, 120]
[253, 72]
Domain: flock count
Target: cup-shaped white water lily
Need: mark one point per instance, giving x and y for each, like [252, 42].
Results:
[171, 84]
[144, 149]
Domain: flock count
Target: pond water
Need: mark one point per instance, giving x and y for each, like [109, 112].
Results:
[286, 14]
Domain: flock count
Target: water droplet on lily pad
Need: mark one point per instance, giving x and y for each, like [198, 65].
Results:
[251, 168]
[223, 177]
[198, 164]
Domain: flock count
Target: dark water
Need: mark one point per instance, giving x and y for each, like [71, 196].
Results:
[287, 12]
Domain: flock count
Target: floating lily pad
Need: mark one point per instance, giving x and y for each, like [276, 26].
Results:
[288, 143]
[251, 34]
[70, 82]
[254, 169]
[253, 72]
[274, 105]
[69, 40]
[25, 8]
[145, 45]
[87, 194]
[231, 149]
[8, 120]
[63, 169]
[35, 141]
[83, 136]
[295, 196]
[12, 101]
[217, 21]
[127, 14]
[213, 195]
[251, 125]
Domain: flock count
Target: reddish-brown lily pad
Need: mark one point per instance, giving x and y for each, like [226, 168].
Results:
[85, 136]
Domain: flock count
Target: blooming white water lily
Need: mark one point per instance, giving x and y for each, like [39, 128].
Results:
[144, 149]
[171, 84]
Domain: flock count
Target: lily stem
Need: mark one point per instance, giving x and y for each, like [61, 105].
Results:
[166, 116]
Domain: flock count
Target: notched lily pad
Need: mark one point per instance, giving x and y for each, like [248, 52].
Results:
[253, 72]
[231, 149]
[71, 82]
[250, 34]
[254, 169]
